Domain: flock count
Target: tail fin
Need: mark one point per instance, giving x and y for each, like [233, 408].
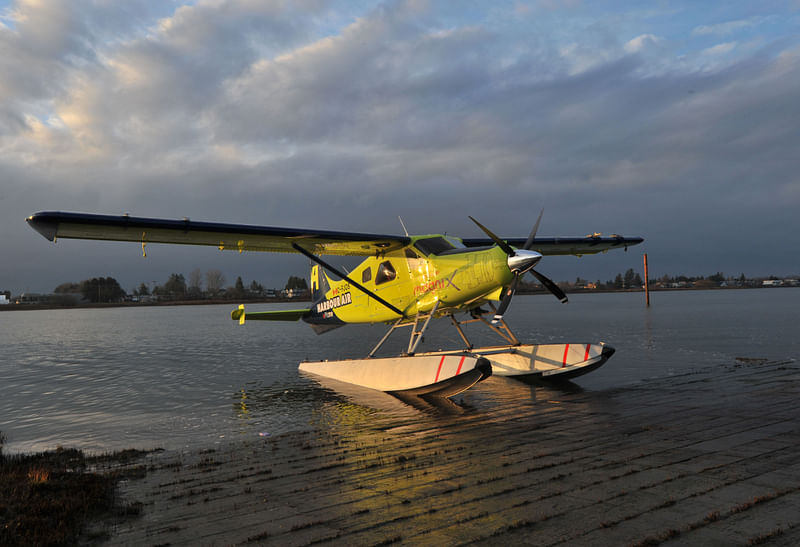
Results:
[319, 284]
[321, 318]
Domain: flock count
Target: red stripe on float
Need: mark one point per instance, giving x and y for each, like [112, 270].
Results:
[461, 362]
[566, 351]
[586, 355]
[441, 362]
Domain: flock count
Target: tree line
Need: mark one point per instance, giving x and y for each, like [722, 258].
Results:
[97, 289]
[198, 286]
[211, 285]
[631, 279]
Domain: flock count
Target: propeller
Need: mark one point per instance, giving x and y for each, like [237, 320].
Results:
[521, 261]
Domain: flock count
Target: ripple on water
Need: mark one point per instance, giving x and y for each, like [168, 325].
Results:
[188, 376]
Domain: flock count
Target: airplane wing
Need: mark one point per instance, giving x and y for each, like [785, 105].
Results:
[237, 237]
[565, 245]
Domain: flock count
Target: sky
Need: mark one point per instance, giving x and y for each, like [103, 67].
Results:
[676, 121]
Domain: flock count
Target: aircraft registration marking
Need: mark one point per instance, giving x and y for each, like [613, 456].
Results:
[343, 288]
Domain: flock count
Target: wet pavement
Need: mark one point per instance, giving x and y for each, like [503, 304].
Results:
[707, 457]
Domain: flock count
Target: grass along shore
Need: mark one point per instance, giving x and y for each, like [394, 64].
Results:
[53, 497]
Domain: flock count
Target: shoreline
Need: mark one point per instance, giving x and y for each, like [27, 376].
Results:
[215, 302]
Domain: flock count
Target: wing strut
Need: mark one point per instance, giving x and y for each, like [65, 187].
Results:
[360, 287]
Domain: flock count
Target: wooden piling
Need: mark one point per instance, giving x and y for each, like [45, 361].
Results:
[646, 282]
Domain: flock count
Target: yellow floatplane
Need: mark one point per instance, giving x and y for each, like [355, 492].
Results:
[404, 281]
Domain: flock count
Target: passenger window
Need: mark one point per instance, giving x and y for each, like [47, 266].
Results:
[366, 275]
[385, 273]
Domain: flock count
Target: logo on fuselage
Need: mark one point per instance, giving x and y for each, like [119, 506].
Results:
[332, 303]
[435, 285]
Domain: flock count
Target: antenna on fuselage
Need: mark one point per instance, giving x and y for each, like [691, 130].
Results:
[403, 225]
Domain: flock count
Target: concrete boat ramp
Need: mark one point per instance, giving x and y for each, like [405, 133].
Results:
[707, 457]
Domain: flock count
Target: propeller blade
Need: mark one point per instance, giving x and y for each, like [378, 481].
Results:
[532, 236]
[500, 243]
[552, 287]
[509, 294]
[523, 262]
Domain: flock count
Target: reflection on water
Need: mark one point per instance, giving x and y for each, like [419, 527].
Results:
[188, 376]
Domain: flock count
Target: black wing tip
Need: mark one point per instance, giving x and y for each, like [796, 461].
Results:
[42, 223]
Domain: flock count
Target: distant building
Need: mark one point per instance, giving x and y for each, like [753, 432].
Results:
[4, 300]
[680, 285]
[294, 293]
[33, 298]
[772, 283]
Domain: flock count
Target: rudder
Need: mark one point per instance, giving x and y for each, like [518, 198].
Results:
[319, 284]
[321, 319]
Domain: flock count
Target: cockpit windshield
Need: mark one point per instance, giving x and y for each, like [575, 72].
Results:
[434, 245]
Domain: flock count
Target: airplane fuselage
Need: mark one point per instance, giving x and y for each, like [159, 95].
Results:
[414, 282]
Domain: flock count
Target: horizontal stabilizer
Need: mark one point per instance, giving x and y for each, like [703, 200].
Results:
[277, 315]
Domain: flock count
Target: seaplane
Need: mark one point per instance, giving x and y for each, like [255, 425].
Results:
[403, 282]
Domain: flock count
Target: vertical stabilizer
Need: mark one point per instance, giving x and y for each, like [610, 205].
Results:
[320, 284]
[322, 318]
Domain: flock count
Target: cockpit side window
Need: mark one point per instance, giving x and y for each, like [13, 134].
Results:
[366, 275]
[433, 245]
[385, 273]
[410, 253]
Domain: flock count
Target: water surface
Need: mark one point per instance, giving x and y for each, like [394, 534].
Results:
[188, 376]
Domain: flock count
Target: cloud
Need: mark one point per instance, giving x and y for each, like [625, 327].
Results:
[641, 42]
[728, 27]
[271, 113]
[149, 90]
[719, 49]
[47, 45]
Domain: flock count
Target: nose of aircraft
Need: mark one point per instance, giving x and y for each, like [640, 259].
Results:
[523, 260]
